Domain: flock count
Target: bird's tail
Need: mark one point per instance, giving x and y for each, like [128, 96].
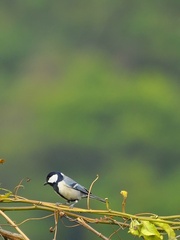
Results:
[97, 198]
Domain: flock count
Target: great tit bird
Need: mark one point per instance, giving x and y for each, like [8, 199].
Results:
[68, 188]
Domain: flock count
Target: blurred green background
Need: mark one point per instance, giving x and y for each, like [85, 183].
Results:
[86, 88]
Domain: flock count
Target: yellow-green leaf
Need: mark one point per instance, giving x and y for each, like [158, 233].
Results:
[144, 229]
[170, 232]
[149, 231]
[4, 196]
[135, 228]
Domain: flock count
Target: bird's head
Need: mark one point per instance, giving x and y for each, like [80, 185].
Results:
[53, 178]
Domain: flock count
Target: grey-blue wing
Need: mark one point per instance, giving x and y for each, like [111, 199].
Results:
[72, 184]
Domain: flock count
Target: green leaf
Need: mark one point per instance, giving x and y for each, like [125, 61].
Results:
[149, 231]
[135, 228]
[7, 195]
[170, 232]
[144, 229]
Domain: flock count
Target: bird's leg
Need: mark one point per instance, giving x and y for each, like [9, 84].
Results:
[72, 205]
[68, 202]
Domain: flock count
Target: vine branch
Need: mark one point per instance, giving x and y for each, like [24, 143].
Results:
[83, 216]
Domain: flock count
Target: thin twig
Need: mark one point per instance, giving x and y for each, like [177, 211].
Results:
[13, 225]
[16, 189]
[34, 219]
[124, 194]
[84, 224]
[116, 231]
[88, 203]
[56, 224]
[70, 220]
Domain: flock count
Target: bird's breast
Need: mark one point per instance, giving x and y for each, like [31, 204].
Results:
[68, 192]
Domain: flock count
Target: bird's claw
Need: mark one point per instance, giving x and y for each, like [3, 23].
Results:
[58, 203]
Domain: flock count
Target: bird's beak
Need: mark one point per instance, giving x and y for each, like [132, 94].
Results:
[45, 183]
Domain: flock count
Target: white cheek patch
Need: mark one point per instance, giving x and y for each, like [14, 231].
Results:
[53, 178]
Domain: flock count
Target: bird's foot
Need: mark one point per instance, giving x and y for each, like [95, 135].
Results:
[71, 203]
[58, 203]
